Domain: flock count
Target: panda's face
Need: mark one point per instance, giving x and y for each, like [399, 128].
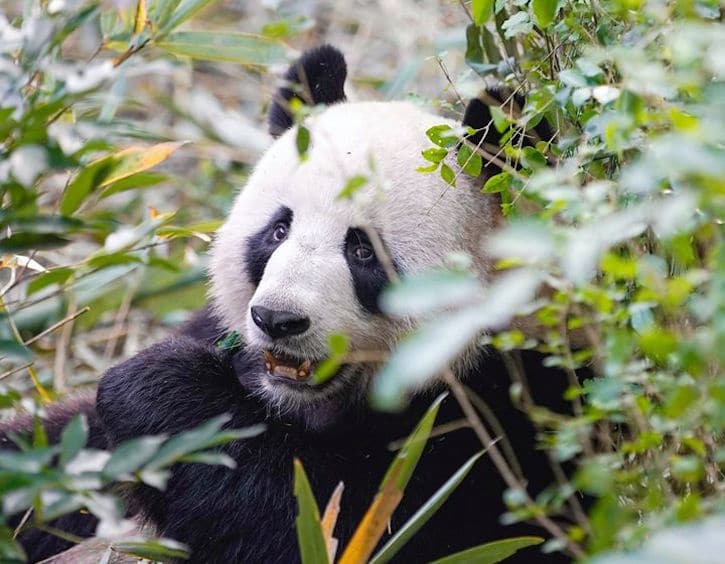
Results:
[295, 263]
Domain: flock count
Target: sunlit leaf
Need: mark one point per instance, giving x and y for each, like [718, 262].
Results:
[302, 141]
[497, 183]
[448, 175]
[482, 10]
[469, 160]
[112, 168]
[352, 186]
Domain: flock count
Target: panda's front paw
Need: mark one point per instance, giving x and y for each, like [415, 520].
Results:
[167, 388]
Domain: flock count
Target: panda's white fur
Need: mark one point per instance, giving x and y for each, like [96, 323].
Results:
[421, 218]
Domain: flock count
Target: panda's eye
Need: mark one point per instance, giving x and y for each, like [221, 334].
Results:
[363, 253]
[280, 232]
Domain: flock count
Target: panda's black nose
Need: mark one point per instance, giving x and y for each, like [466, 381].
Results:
[279, 324]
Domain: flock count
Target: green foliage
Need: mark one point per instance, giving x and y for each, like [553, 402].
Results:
[626, 231]
[620, 216]
[34, 482]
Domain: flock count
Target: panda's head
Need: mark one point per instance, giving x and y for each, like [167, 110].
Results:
[295, 262]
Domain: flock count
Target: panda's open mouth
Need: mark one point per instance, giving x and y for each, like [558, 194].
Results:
[285, 366]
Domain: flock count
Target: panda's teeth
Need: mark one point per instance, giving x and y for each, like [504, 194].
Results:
[279, 367]
[286, 372]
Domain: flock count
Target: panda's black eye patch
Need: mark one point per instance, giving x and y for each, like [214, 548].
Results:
[262, 244]
[368, 274]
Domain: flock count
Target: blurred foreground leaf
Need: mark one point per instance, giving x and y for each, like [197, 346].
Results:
[240, 48]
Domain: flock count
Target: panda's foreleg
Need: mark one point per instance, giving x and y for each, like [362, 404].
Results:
[223, 515]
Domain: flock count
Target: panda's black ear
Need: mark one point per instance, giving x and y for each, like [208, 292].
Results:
[478, 117]
[317, 77]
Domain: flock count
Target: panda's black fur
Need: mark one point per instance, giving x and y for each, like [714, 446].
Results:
[247, 514]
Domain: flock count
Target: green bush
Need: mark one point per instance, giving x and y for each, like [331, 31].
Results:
[621, 217]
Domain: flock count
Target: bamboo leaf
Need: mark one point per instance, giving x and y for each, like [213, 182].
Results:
[112, 168]
[184, 10]
[390, 492]
[240, 48]
[309, 529]
[491, 552]
[421, 517]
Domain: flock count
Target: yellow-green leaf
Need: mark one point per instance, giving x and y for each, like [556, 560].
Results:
[112, 168]
[240, 48]
[482, 10]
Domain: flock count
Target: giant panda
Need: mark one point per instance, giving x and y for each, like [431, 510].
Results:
[292, 264]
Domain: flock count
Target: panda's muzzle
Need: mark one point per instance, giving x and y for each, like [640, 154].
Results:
[287, 367]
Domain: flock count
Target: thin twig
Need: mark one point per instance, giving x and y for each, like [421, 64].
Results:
[498, 429]
[516, 371]
[450, 81]
[15, 370]
[24, 520]
[465, 9]
[68, 319]
[382, 253]
[118, 324]
[118, 61]
[42, 392]
[61, 349]
[500, 462]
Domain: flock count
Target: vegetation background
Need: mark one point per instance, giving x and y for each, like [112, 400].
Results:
[127, 126]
